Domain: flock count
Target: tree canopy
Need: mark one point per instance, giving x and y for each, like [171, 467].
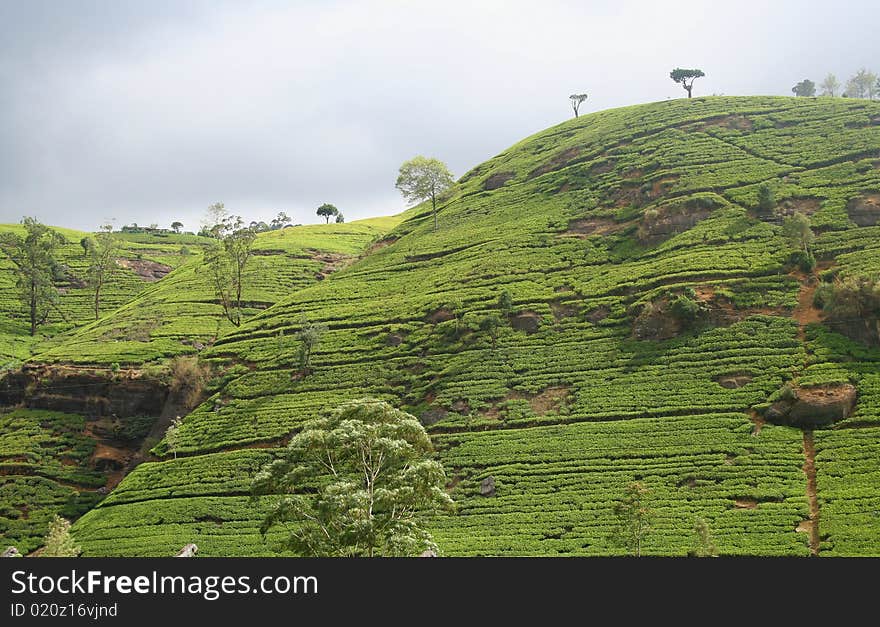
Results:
[576, 100]
[829, 85]
[686, 78]
[326, 211]
[35, 267]
[357, 482]
[227, 261]
[424, 178]
[805, 89]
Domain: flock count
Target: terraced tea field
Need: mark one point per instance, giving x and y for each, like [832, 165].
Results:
[596, 228]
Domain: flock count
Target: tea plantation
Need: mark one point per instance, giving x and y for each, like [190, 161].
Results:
[656, 319]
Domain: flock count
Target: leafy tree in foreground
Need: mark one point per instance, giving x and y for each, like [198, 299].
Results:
[633, 518]
[227, 261]
[358, 482]
[101, 251]
[176, 226]
[35, 268]
[576, 100]
[423, 178]
[805, 89]
[59, 542]
[326, 211]
[686, 78]
[704, 545]
[829, 85]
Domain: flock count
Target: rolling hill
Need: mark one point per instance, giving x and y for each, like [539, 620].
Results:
[659, 332]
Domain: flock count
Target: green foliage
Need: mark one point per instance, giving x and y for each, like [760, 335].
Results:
[101, 251]
[33, 258]
[686, 78]
[59, 542]
[423, 178]
[227, 261]
[634, 518]
[326, 211]
[829, 85]
[309, 336]
[704, 545]
[862, 85]
[797, 231]
[505, 303]
[172, 435]
[766, 200]
[372, 484]
[806, 88]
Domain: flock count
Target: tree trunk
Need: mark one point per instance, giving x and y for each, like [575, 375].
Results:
[434, 207]
[689, 88]
[33, 309]
[97, 300]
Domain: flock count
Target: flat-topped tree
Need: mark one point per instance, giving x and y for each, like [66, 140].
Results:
[686, 78]
[576, 100]
[176, 226]
[326, 211]
[805, 89]
[423, 178]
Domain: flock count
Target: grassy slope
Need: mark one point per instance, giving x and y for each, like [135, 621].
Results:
[75, 305]
[181, 309]
[564, 417]
[45, 456]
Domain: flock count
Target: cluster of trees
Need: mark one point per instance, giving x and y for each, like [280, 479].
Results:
[863, 84]
[38, 271]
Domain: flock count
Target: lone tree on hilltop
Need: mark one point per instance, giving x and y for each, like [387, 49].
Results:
[805, 89]
[35, 267]
[686, 78]
[340, 219]
[829, 85]
[576, 100]
[357, 482]
[227, 261]
[423, 178]
[326, 211]
[176, 226]
[633, 518]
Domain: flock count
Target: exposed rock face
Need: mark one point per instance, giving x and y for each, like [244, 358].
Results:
[189, 550]
[733, 381]
[487, 486]
[814, 406]
[82, 392]
[497, 180]
[149, 271]
[10, 551]
[528, 321]
[431, 416]
[865, 210]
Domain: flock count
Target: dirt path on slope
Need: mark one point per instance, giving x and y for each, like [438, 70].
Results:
[811, 525]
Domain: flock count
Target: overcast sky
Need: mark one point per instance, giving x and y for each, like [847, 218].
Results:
[149, 111]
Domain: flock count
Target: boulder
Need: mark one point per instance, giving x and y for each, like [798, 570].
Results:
[189, 550]
[864, 210]
[814, 406]
[10, 551]
[487, 486]
[528, 321]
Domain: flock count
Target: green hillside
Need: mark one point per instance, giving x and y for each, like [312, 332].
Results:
[75, 304]
[180, 313]
[65, 461]
[656, 321]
